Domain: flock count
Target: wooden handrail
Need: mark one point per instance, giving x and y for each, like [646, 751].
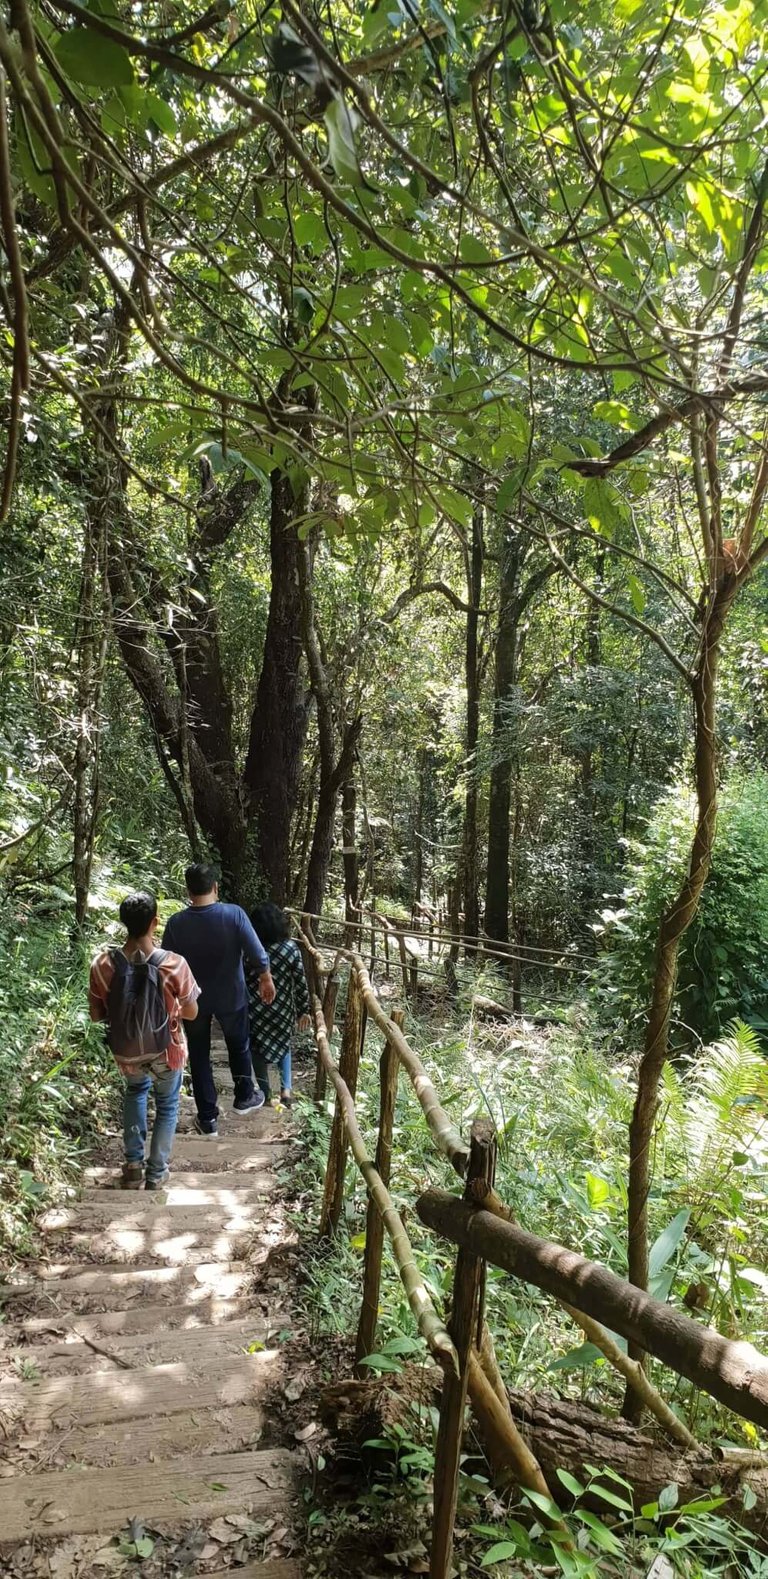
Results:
[732, 1371]
[429, 1324]
[444, 1131]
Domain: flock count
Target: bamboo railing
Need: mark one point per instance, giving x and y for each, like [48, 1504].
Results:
[484, 1231]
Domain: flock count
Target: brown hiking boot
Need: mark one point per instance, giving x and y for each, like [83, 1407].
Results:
[133, 1176]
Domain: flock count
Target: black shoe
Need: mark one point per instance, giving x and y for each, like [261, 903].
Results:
[248, 1104]
[207, 1127]
[158, 1184]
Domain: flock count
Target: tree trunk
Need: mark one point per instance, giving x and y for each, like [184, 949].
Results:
[499, 799]
[91, 642]
[566, 1435]
[349, 841]
[562, 1434]
[514, 599]
[279, 722]
[472, 678]
[674, 924]
[333, 772]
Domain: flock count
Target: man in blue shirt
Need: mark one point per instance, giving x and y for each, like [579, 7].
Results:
[214, 938]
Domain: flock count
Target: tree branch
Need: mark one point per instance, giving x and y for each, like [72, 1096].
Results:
[411, 593]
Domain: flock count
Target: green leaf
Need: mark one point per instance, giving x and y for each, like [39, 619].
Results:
[381, 1362]
[144, 1547]
[602, 1537]
[340, 123]
[33, 161]
[598, 1191]
[668, 1498]
[668, 1242]
[166, 434]
[577, 1359]
[500, 1553]
[85, 56]
[358, 1242]
[749, 1499]
[599, 506]
[506, 497]
[570, 1482]
[544, 1504]
[614, 1501]
[636, 593]
[161, 113]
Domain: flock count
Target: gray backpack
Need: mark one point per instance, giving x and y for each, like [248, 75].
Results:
[139, 1026]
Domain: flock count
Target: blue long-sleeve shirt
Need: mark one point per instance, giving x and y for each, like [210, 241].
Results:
[214, 940]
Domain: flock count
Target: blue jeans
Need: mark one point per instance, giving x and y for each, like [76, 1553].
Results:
[261, 1070]
[167, 1085]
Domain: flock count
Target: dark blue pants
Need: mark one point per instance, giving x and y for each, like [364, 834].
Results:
[237, 1037]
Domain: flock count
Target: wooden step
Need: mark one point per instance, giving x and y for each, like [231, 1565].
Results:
[205, 1311]
[240, 1154]
[61, 1402]
[70, 1286]
[246, 1156]
[281, 1568]
[81, 1502]
[141, 1349]
[187, 1189]
[145, 1441]
[165, 1233]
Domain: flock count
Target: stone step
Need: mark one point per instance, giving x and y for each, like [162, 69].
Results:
[80, 1502]
[144, 1441]
[59, 1403]
[191, 1345]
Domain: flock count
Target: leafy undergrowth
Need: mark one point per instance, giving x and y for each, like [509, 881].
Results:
[57, 1083]
[561, 1113]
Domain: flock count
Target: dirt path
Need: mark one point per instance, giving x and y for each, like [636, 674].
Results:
[136, 1368]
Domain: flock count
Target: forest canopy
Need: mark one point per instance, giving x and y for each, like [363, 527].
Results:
[385, 466]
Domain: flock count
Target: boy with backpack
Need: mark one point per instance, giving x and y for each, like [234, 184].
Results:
[143, 993]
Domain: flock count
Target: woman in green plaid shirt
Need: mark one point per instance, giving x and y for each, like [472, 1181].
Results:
[273, 1024]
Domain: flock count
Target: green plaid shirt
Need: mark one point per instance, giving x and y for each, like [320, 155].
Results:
[273, 1024]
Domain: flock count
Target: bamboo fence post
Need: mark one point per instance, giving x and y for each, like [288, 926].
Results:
[389, 1067]
[329, 1013]
[349, 1063]
[445, 1134]
[465, 1326]
[386, 956]
[403, 963]
[414, 974]
[427, 1320]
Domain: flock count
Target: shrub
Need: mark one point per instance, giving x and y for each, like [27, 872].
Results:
[723, 967]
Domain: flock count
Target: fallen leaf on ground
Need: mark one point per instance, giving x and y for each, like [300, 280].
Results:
[294, 1388]
[306, 1431]
[221, 1530]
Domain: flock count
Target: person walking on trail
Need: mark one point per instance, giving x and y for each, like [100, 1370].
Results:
[215, 938]
[273, 1024]
[143, 993]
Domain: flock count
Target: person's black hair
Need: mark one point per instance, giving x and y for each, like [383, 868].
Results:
[201, 879]
[137, 912]
[270, 923]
